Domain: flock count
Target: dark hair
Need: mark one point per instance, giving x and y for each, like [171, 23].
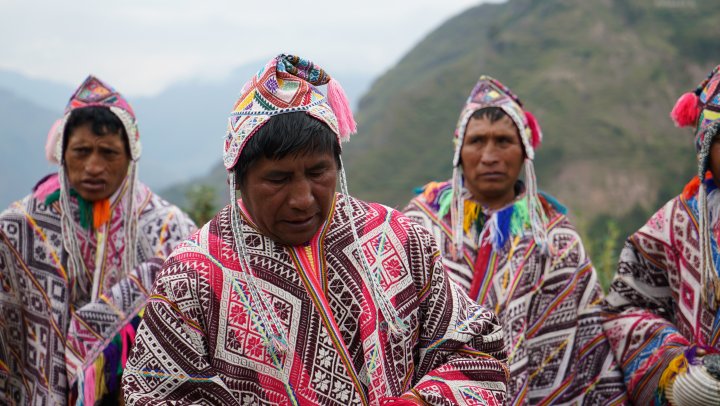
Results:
[102, 122]
[287, 134]
[493, 114]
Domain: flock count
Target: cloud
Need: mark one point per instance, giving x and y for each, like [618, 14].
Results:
[143, 46]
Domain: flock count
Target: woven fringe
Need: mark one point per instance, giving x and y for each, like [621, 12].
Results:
[538, 219]
[102, 376]
[455, 209]
[76, 267]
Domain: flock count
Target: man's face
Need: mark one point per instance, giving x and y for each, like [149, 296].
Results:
[290, 198]
[95, 165]
[491, 157]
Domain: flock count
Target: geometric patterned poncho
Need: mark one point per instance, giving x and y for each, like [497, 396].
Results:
[202, 340]
[50, 343]
[548, 304]
[655, 305]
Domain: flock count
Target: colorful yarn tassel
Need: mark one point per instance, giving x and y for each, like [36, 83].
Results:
[101, 213]
[691, 188]
[341, 107]
[534, 129]
[89, 386]
[686, 110]
[471, 213]
[444, 201]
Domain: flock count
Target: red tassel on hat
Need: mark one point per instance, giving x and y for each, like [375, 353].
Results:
[686, 110]
[341, 107]
[534, 129]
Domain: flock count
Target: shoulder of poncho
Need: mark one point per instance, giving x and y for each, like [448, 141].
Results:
[20, 207]
[432, 193]
[551, 205]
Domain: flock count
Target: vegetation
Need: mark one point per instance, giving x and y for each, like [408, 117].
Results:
[201, 206]
[600, 76]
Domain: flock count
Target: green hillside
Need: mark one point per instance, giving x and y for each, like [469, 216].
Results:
[601, 77]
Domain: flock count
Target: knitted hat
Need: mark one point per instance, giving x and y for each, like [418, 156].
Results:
[93, 92]
[286, 84]
[701, 110]
[289, 84]
[489, 92]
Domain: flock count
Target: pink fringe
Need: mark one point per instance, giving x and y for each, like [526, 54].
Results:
[51, 143]
[686, 110]
[50, 185]
[128, 338]
[89, 386]
[341, 107]
[534, 129]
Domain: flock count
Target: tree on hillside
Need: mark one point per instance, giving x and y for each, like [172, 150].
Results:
[201, 204]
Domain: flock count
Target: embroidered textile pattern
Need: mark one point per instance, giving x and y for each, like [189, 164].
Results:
[199, 343]
[549, 304]
[46, 339]
[655, 299]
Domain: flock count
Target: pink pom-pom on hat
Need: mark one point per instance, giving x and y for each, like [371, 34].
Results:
[534, 129]
[341, 107]
[686, 110]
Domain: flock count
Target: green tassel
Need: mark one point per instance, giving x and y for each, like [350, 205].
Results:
[445, 201]
[52, 197]
[86, 208]
[520, 218]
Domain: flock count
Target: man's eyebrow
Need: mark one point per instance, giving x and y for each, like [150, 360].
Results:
[276, 172]
[320, 165]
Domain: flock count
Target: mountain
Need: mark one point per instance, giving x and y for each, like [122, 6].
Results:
[600, 76]
[44, 93]
[181, 128]
[23, 130]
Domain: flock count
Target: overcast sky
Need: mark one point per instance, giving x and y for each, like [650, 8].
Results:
[142, 46]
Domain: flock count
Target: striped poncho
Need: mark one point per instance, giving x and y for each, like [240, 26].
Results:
[656, 310]
[548, 300]
[203, 339]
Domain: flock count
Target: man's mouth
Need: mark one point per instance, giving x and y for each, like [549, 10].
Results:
[300, 223]
[492, 175]
[95, 185]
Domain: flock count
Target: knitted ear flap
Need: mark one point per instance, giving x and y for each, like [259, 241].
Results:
[534, 129]
[341, 107]
[51, 143]
[686, 110]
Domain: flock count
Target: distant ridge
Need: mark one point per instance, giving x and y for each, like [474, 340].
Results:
[601, 76]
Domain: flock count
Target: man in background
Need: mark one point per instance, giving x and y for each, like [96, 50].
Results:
[514, 251]
[78, 257]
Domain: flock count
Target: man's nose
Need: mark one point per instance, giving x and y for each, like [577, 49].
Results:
[490, 154]
[95, 164]
[301, 197]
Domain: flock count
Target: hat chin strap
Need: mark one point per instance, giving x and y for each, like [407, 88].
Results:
[538, 219]
[708, 272]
